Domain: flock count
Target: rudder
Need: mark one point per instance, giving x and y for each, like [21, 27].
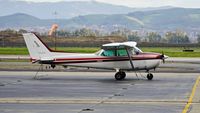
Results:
[37, 49]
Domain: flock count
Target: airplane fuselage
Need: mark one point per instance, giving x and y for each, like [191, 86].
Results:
[116, 56]
[142, 61]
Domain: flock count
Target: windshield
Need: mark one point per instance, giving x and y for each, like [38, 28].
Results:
[136, 50]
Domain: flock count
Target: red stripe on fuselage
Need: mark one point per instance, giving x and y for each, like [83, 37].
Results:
[142, 56]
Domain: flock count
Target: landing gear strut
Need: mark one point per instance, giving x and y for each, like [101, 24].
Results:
[120, 75]
[149, 76]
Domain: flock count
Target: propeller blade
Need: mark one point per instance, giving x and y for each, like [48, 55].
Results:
[163, 57]
[163, 60]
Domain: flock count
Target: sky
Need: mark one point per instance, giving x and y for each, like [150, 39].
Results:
[141, 3]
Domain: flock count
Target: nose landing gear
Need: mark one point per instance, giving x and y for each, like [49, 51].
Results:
[120, 75]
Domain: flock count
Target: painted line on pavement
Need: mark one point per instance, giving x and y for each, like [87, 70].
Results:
[189, 102]
[84, 101]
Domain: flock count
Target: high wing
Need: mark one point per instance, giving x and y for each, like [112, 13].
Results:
[119, 45]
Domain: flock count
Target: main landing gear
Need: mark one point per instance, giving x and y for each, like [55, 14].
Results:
[120, 75]
[149, 76]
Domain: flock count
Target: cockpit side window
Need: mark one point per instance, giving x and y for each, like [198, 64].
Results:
[108, 53]
[121, 52]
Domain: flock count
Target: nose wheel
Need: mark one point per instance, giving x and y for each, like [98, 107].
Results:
[120, 75]
[149, 76]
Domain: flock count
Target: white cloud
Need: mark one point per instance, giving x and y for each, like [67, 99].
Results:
[141, 3]
[50, 0]
[155, 3]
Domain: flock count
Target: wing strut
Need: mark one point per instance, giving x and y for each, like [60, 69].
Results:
[129, 56]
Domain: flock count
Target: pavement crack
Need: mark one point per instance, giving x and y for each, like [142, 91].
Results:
[119, 93]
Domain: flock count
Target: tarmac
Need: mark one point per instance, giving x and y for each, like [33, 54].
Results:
[174, 89]
[98, 92]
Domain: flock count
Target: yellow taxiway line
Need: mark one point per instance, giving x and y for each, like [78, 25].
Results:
[189, 102]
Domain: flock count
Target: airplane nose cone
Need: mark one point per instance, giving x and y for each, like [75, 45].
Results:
[165, 56]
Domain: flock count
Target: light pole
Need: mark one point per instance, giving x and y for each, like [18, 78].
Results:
[55, 39]
[55, 14]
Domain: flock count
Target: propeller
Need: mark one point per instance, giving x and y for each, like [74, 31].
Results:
[163, 57]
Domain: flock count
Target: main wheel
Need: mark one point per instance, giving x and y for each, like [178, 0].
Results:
[149, 76]
[120, 75]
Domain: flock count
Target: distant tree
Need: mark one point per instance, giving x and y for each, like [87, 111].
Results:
[163, 40]
[121, 32]
[116, 33]
[198, 38]
[76, 33]
[134, 37]
[84, 32]
[63, 33]
[9, 31]
[153, 37]
[177, 38]
[22, 31]
[97, 33]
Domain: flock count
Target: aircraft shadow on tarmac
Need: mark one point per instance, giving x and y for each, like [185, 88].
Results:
[104, 79]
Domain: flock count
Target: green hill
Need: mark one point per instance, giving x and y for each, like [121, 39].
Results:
[164, 19]
[169, 18]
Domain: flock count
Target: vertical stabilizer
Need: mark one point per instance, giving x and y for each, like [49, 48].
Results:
[37, 49]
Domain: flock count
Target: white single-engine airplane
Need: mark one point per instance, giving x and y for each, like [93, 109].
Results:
[116, 56]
